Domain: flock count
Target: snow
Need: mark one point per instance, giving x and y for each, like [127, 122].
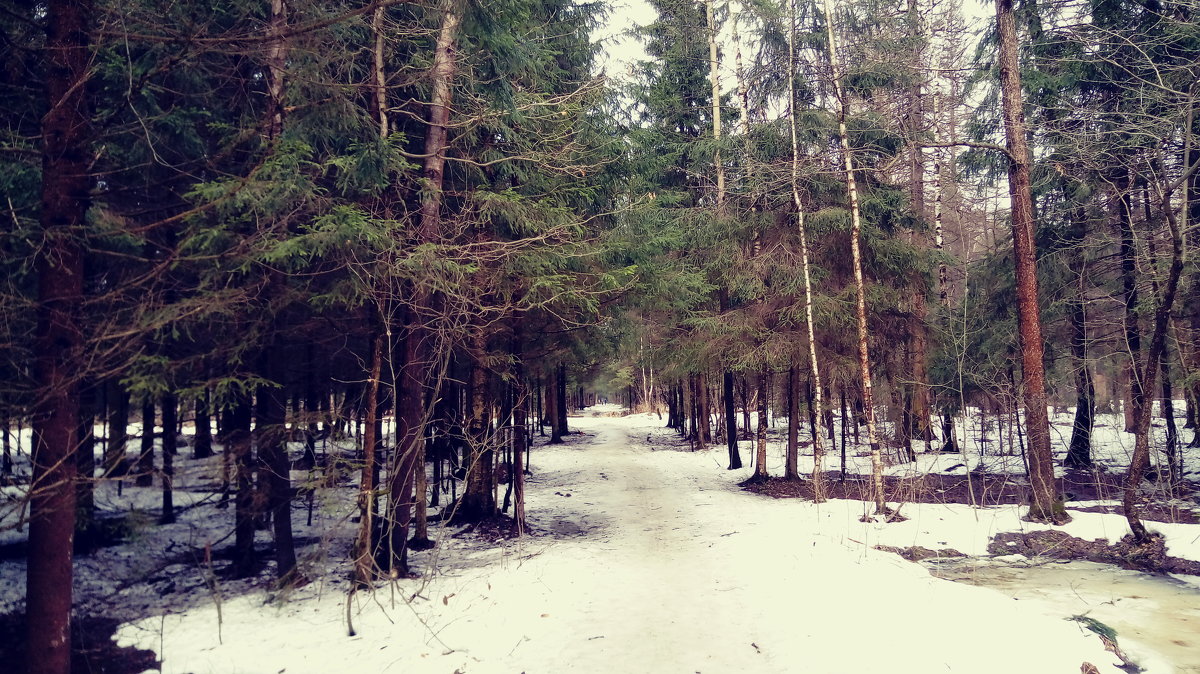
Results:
[649, 559]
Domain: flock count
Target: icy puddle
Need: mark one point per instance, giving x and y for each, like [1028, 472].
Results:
[1157, 619]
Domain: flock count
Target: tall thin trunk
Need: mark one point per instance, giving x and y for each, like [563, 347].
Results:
[145, 462]
[1171, 447]
[814, 368]
[864, 359]
[746, 432]
[276, 61]
[917, 401]
[551, 407]
[939, 240]
[85, 458]
[271, 432]
[118, 429]
[239, 442]
[1158, 344]
[731, 436]
[1046, 504]
[380, 75]
[6, 463]
[58, 339]
[562, 400]
[791, 469]
[760, 457]
[845, 413]
[408, 486]
[478, 500]
[170, 410]
[520, 438]
[202, 444]
[1079, 453]
[364, 545]
[1129, 293]
[714, 70]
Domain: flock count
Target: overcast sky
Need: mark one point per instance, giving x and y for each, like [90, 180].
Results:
[621, 50]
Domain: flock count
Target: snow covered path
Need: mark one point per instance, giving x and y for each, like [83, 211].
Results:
[650, 561]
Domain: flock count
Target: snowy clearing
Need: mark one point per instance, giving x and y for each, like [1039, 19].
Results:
[649, 559]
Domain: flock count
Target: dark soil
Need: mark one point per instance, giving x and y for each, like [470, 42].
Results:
[983, 489]
[917, 553]
[492, 529]
[1151, 557]
[93, 650]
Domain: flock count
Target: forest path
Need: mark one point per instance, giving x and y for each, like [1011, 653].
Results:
[663, 565]
[660, 575]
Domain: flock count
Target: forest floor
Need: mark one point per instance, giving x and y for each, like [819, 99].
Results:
[644, 557]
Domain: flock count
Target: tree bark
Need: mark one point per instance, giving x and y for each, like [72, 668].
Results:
[85, 458]
[364, 544]
[562, 400]
[1158, 344]
[271, 431]
[1046, 505]
[145, 462]
[202, 444]
[118, 430]
[814, 369]
[731, 436]
[551, 411]
[760, 457]
[170, 411]
[1079, 453]
[58, 338]
[791, 469]
[478, 501]
[237, 423]
[1129, 293]
[864, 359]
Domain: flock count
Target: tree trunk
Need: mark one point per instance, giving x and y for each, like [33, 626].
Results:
[364, 544]
[245, 510]
[1046, 504]
[407, 489]
[6, 463]
[118, 430]
[170, 410]
[1079, 453]
[202, 443]
[145, 462]
[1158, 343]
[864, 359]
[760, 457]
[562, 401]
[814, 369]
[791, 470]
[747, 433]
[271, 432]
[1133, 334]
[478, 501]
[731, 437]
[58, 341]
[845, 413]
[551, 402]
[1171, 448]
[520, 440]
[85, 457]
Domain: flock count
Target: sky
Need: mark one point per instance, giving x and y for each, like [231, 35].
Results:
[622, 50]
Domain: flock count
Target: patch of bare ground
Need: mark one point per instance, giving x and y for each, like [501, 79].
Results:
[493, 529]
[93, 650]
[1150, 557]
[992, 489]
[918, 553]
